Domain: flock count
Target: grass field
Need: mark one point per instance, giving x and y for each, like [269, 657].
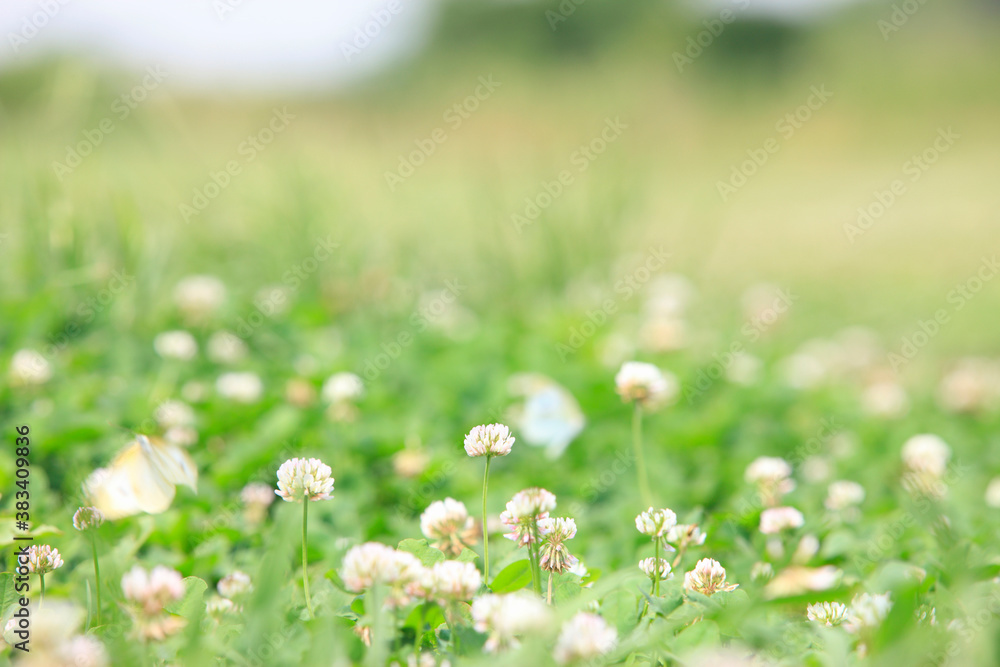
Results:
[534, 235]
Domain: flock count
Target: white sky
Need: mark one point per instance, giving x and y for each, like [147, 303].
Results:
[246, 44]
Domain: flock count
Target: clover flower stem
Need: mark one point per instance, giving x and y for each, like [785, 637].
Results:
[640, 461]
[448, 614]
[378, 653]
[548, 597]
[418, 644]
[656, 566]
[682, 547]
[41, 597]
[536, 570]
[97, 578]
[486, 536]
[305, 557]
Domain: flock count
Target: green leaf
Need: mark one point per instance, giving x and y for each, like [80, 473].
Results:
[467, 556]
[191, 603]
[514, 577]
[700, 633]
[427, 554]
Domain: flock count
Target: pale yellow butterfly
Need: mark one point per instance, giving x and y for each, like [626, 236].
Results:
[141, 478]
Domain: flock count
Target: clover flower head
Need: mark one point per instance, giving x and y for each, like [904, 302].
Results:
[374, 563]
[242, 387]
[507, 618]
[651, 565]
[655, 522]
[304, 479]
[523, 513]
[452, 580]
[178, 345]
[843, 494]
[707, 577]
[226, 348]
[773, 520]
[449, 524]
[87, 518]
[43, 558]
[554, 556]
[584, 637]
[686, 534]
[645, 384]
[28, 367]
[867, 611]
[199, 296]
[174, 413]
[343, 387]
[234, 585]
[926, 453]
[489, 440]
[152, 591]
[827, 613]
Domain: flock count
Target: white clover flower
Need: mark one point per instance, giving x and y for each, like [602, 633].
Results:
[87, 518]
[234, 585]
[926, 453]
[772, 475]
[43, 558]
[554, 557]
[762, 571]
[182, 436]
[54, 638]
[523, 513]
[489, 440]
[686, 534]
[885, 398]
[152, 591]
[449, 524]
[655, 523]
[506, 618]
[972, 385]
[219, 607]
[453, 580]
[302, 479]
[175, 345]
[28, 367]
[708, 577]
[226, 348]
[827, 613]
[174, 413]
[245, 387]
[646, 385]
[648, 565]
[744, 369]
[343, 387]
[773, 520]
[256, 499]
[867, 611]
[584, 637]
[199, 296]
[796, 580]
[843, 494]
[993, 493]
[373, 563]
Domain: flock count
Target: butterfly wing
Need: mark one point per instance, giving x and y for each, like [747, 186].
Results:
[172, 462]
[110, 490]
[128, 486]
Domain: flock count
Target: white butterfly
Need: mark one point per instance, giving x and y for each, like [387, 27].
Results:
[549, 416]
[141, 478]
